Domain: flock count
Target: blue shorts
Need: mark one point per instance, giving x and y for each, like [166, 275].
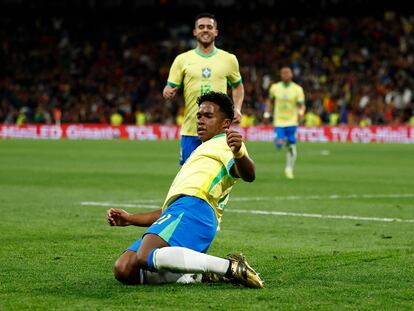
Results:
[286, 133]
[188, 145]
[188, 222]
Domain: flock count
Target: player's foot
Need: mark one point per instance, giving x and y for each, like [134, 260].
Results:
[241, 273]
[190, 279]
[211, 277]
[289, 173]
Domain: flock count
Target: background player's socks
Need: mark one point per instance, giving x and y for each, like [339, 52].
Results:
[180, 259]
[291, 157]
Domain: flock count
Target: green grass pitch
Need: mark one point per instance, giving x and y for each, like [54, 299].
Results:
[56, 254]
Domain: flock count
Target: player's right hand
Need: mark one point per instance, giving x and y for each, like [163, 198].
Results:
[117, 217]
[237, 116]
[266, 117]
[234, 140]
[169, 92]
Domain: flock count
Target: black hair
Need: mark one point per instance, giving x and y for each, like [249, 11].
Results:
[205, 14]
[220, 99]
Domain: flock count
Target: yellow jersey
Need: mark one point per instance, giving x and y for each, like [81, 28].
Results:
[116, 119]
[206, 175]
[197, 74]
[286, 98]
[312, 119]
[247, 120]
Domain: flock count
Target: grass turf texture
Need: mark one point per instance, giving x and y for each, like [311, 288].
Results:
[57, 254]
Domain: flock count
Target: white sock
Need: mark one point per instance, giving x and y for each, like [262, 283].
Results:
[291, 157]
[180, 259]
[148, 277]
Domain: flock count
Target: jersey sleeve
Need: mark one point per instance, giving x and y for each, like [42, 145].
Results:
[176, 75]
[272, 91]
[228, 160]
[300, 96]
[234, 78]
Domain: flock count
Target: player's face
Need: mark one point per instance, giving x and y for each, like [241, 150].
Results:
[205, 31]
[286, 74]
[210, 121]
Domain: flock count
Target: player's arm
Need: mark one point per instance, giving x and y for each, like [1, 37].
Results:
[268, 109]
[238, 97]
[301, 111]
[270, 101]
[120, 217]
[169, 92]
[243, 165]
[234, 79]
[174, 80]
[301, 104]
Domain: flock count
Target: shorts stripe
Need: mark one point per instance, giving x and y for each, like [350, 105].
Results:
[168, 231]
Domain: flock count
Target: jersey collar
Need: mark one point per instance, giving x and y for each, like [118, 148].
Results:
[213, 52]
[286, 85]
[219, 135]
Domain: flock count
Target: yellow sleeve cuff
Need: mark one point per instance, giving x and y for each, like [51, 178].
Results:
[239, 154]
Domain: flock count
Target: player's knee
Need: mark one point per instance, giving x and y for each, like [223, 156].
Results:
[124, 272]
[279, 143]
[121, 272]
[291, 145]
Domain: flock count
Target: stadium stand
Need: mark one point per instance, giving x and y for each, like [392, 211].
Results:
[355, 70]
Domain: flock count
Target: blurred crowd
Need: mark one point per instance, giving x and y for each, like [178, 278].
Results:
[354, 70]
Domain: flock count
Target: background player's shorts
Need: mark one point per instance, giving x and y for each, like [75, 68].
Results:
[286, 133]
[188, 222]
[188, 145]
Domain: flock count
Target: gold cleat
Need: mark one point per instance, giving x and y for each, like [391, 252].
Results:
[240, 272]
[211, 277]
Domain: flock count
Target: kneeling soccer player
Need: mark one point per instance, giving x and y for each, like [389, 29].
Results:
[173, 249]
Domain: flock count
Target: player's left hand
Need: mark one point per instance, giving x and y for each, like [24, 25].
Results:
[234, 140]
[169, 92]
[117, 217]
[237, 116]
[301, 115]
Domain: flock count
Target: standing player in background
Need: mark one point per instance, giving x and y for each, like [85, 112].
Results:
[289, 101]
[199, 71]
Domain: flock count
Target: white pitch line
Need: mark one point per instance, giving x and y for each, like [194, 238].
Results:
[258, 212]
[325, 197]
[299, 197]
[146, 201]
[319, 215]
[111, 204]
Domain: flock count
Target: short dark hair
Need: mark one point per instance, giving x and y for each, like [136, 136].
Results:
[220, 99]
[205, 14]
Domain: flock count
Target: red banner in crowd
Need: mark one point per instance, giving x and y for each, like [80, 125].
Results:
[343, 134]
[376, 134]
[90, 131]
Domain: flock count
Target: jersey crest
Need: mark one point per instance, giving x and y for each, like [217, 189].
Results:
[206, 73]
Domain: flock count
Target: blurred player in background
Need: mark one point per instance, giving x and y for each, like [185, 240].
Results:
[201, 70]
[180, 233]
[289, 107]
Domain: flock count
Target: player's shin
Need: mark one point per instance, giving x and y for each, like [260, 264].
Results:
[180, 259]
